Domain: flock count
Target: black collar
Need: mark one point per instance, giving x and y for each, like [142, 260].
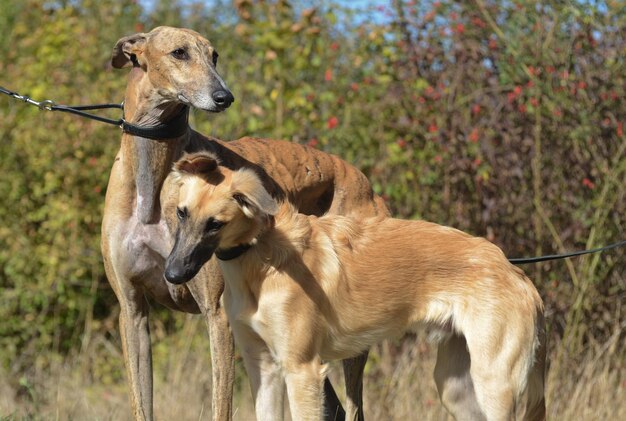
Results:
[174, 128]
[232, 253]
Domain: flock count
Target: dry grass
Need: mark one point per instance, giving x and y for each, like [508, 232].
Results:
[398, 386]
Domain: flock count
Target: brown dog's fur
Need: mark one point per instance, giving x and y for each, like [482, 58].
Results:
[174, 69]
[311, 289]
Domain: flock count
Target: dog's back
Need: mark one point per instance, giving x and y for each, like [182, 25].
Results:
[387, 266]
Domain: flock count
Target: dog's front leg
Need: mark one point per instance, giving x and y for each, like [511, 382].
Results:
[304, 388]
[207, 288]
[264, 373]
[136, 347]
[222, 363]
[268, 389]
[269, 401]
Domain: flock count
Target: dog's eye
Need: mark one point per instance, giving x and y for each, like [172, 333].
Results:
[181, 213]
[213, 225]
[180, 54]
[215, 56]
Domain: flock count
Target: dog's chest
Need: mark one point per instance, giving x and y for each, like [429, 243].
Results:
[144, 250]
[147, 245]
[239, 303]
[141, 258]
[243, 307]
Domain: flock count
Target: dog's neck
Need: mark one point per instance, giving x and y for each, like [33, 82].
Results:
[149, 160]
[248, 242]
[280, 237]
[281, 242]
[144, 105]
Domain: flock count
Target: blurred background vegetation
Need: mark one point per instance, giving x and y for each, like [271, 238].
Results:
[502, 118]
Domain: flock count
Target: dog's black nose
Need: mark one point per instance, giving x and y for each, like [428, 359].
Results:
[176, 272]
[223, 98]
[175, 277]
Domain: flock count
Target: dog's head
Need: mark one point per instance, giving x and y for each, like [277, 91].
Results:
[217, 209]
[179, 63]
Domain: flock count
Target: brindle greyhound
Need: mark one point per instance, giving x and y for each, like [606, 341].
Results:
[174, 69]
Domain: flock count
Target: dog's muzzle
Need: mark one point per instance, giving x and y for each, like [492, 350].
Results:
[186, 260]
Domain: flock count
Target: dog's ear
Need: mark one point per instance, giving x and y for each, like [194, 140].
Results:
[251, 196]
[257, 205]
[128, 50]
[196, 164]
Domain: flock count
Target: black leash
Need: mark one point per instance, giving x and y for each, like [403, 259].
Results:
[524, 260]
[171, 129]
[78, 110]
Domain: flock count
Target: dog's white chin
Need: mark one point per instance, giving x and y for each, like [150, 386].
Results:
[203, 102]
[216, 110]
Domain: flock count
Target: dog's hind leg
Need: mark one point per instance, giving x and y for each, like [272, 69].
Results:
[353, 374]
[533, 403]
[454, 381]
[333, 411]
[502, 351]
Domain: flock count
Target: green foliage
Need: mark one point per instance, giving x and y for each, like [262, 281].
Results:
[55, 171]
[504, 119]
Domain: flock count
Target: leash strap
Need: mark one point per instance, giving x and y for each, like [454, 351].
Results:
[172, 129]
[525, 260]
[78, 110]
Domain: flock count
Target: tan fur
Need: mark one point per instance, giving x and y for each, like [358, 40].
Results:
[317, 289]
[136, 235]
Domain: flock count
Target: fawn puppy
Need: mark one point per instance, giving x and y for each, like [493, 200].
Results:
[301, 290]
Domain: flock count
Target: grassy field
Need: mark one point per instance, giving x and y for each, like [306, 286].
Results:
[398, 383]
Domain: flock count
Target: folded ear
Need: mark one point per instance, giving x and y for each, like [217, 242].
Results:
[251, 196]
[258, 205]
[128, 50]
[196, 164]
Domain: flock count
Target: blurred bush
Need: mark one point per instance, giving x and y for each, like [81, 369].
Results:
[504, 119]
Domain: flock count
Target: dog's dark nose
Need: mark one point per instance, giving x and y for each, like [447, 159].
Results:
[174, 277]
[223, 98]
[176, 272]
